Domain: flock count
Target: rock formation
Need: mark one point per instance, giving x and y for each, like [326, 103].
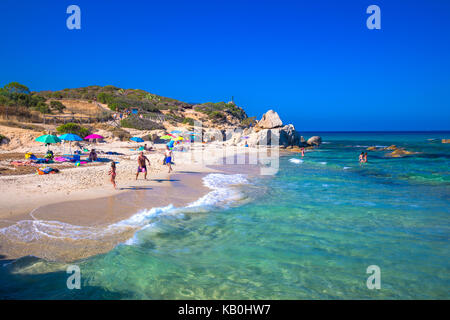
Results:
[314, 141]
[270, 120]
[270, 131]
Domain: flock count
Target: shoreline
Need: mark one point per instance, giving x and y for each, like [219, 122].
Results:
[92, 210]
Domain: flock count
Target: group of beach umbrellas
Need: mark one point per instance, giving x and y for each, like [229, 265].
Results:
[49, 138]
[173, 136]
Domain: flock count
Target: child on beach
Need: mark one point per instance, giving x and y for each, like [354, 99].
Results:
[168, 158]
[112, 173]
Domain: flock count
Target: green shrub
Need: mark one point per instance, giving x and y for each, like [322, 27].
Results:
[247, 122]
[57, 106]
[73, 128]
[188, 121]
[140, 124]
[42, 107]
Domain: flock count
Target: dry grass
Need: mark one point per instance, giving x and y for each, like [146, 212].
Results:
[20, 125]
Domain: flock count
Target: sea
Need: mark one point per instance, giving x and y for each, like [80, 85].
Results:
[323, 226]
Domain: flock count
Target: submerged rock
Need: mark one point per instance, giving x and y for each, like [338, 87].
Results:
[398, 153]
[445, 140]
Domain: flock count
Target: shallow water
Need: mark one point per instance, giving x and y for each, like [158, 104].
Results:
[309, 232]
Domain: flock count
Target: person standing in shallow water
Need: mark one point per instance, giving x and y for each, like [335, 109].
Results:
[142, 165]
[303, 151]
[365, 157]
[361, 157]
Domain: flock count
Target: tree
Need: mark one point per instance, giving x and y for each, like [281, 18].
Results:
[15, 87]
[57, 106]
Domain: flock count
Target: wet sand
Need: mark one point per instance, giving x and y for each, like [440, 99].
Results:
[96, 215]
[81, 227]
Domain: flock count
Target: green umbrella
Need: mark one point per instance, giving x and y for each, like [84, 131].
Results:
[48, 138]
[166, 137]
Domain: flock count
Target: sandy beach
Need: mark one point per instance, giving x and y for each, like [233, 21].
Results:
[82, 199]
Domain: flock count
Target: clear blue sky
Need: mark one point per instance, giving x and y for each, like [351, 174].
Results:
[315, 62]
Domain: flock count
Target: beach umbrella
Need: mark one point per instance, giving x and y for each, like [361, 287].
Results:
[93, 136]
[48, 138]
[175, 131]
[70, 137]
[137, 139]
[179, 138]
[166, 137]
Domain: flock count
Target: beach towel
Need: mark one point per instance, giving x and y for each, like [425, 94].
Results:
[61, 159]
[22, 163]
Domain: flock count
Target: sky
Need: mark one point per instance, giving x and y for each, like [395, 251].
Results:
[314, 62]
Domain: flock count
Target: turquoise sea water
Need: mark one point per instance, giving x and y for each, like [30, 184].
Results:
[309, 232]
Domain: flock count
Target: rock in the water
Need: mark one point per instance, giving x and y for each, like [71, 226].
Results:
[392, 147]
[314, 141]
[371, 149]
[398, 153]
[445, 140]
[270, 120]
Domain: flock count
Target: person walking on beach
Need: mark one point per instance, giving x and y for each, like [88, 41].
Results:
[168, 158]
[112, 173]
[142, 165]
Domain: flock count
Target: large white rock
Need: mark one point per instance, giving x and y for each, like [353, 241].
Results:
[270, 120]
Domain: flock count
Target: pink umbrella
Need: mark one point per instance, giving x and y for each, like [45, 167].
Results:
[93, 136]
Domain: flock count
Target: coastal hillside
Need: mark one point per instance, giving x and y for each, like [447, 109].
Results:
[145, 110]
[153, 107]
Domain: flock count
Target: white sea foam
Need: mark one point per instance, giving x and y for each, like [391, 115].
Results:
[296, 161]
[33, 230]
[346, 168]
[323, 162]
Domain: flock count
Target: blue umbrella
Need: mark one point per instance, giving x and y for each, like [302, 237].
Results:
[70, 137]
[137, 139]
[175, 131]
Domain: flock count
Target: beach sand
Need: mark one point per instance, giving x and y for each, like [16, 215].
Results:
[81, 202]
